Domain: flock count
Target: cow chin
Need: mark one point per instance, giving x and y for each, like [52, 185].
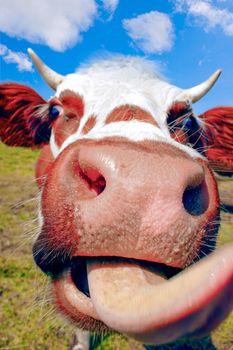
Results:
[154, 304]
[125, 251]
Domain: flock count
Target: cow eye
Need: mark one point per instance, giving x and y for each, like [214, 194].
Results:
[194, 133]
[190, 124]
[184, 127]
[55, 111]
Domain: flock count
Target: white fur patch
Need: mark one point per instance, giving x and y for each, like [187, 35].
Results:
[121, 81]
[54, 147]
[132, 130]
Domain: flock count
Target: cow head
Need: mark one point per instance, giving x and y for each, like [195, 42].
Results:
[129, 202]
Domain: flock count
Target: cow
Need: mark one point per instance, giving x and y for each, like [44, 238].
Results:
[129, 204]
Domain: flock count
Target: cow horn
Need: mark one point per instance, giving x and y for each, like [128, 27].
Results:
[52, 78]
[198, 91]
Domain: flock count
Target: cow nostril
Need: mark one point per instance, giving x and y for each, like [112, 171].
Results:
[93, 179]
[196, 199]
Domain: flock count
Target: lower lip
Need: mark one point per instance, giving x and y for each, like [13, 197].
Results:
[75, 304]
[70, 299]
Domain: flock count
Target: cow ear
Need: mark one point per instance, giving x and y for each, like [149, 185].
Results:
[218, 125]
[24, 116]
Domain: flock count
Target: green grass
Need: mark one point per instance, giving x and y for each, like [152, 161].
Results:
[23, 321]
[27, 318]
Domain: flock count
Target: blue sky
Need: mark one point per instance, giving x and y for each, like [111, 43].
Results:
[189, 38]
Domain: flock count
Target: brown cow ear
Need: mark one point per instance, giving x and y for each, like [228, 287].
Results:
[22, 122]
[218, 125]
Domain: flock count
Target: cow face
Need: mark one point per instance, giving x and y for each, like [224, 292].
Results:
[129, 203]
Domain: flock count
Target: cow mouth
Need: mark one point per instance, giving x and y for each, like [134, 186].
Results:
[152, 302]
[153, 271]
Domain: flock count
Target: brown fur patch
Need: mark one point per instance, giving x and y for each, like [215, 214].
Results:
[125, 113]
[72, 102]
[69, 121]
[90, 123]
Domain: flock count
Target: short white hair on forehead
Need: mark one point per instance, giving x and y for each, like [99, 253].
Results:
[114, 63]
[110, 83]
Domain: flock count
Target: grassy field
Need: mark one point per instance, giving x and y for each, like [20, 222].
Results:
[27, 317]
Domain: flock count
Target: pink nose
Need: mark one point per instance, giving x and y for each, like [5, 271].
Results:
[145, 200]
[112, 169]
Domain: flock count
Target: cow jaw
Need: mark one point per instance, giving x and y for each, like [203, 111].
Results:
[133, 299]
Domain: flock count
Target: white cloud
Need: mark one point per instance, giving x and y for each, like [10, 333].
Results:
[19, 58]
[55, 23]
[110, 5]
[152, 32]
[207, 14]
[3, 49]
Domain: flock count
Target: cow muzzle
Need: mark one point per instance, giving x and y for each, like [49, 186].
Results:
[121, 220]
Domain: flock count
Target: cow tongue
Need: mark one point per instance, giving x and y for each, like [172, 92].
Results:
[130, 299]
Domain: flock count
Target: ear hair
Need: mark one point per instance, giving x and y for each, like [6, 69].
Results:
[20, 122]
[40, 124]
[218, 124]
